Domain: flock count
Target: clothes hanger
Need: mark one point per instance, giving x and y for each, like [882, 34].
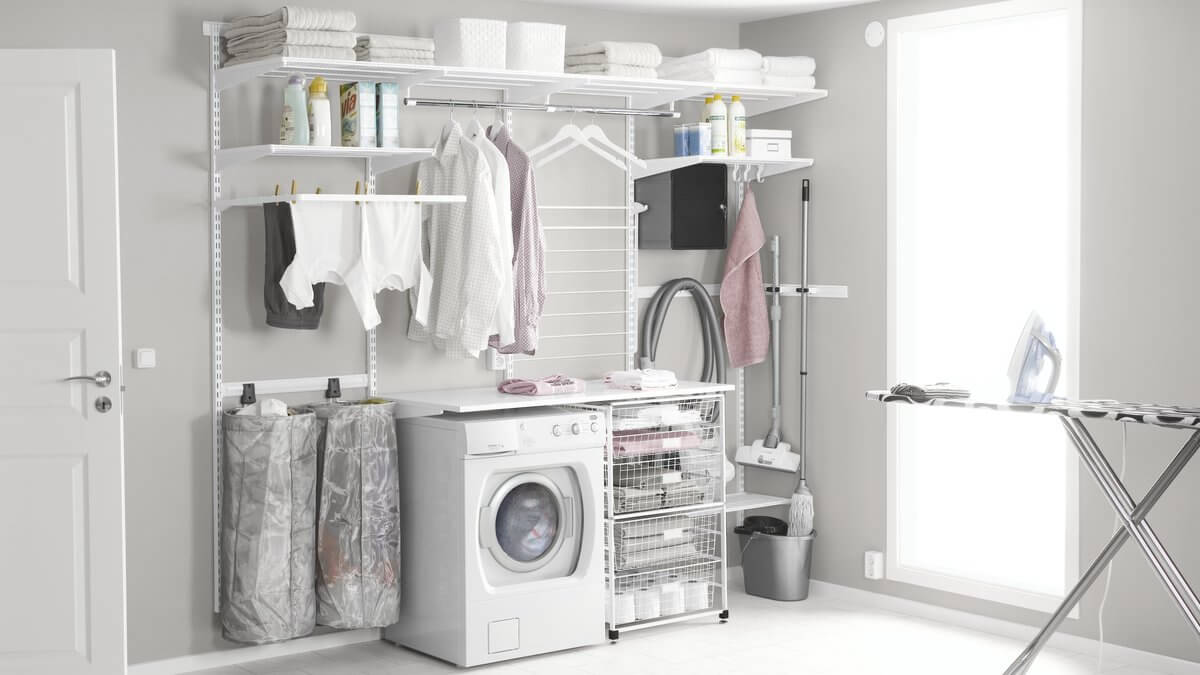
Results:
[568, 132]
[595, 134]
[577, 138]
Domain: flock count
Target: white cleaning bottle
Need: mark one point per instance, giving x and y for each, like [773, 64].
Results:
[707, 112]
[737, 128]
[293, 128]
[718, 117]
[320, 116]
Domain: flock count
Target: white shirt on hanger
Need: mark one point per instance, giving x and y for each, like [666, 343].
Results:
[504, 326]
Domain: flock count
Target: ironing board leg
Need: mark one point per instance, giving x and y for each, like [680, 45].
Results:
[1025, 660]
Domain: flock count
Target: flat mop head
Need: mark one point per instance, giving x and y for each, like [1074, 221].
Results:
[778, 458]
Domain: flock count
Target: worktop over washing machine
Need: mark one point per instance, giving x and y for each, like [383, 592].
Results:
[484, 399]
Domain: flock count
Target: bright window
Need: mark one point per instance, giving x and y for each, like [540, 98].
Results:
[983, 191]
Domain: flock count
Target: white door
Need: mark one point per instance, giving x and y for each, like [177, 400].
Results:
[62, 537]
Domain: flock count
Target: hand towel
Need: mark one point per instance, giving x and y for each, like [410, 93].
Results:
[747, 333]
[283, 36]
[334, 53]
[789, 82]
[723, 75]
[306, 18]
[789, 65]
[394, 52]
[737, 59]
[614, 70]
[396, 42]
[623, 53]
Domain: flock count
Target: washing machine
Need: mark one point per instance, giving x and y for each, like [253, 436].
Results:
[501, 534]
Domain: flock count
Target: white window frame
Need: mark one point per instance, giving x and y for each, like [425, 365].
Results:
[896, 29]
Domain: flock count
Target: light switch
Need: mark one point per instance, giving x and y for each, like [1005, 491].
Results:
[144, 357]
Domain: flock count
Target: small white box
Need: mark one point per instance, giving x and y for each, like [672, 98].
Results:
[471, 43]
[540, 47]
[769, 143]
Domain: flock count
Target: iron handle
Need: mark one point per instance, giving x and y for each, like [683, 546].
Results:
[102, 378]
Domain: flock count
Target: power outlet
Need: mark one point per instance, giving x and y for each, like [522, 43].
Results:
[873, 565]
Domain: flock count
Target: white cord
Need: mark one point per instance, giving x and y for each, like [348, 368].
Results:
[1109, 571]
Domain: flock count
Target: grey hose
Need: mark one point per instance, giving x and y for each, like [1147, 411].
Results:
[710, 327]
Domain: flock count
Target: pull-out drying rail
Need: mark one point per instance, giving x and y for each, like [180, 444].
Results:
[539, 107]
[223, 204]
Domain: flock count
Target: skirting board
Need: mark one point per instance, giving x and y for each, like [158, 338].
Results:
[237, 656]
[1063, 641]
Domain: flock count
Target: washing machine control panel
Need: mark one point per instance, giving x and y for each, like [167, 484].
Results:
[561, 431]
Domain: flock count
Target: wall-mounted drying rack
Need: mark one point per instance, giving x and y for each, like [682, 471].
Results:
[333, 197]
[537, 107]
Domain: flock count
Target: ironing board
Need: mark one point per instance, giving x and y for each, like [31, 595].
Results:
[1133, 514]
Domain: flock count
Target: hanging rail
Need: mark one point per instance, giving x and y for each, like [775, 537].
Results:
[541, 107]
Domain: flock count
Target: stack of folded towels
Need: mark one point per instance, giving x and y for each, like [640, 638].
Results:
[789, 72]
[640, 379]
[395, 49]
[619, 59]
[291, 31]
[728, 66]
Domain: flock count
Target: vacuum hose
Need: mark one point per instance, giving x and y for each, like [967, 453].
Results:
[710, 327]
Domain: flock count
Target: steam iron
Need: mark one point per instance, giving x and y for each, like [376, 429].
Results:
[1027, 373]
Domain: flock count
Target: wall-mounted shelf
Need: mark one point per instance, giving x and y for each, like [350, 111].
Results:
[223, 204]
[387, 158]
[745, 501]
[755, 168]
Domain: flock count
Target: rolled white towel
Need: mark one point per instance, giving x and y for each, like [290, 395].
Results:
[332, 53]
[789, 82]
[738, 59]
[614, 70]
[306, 18]
[283, 36]
[789, 65]
[621, 53]
[395, 42]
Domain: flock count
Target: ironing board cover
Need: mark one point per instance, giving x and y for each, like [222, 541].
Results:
[1136, 413]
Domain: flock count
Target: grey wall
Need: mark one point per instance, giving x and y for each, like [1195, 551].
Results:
[162, 77]
[1138, 238]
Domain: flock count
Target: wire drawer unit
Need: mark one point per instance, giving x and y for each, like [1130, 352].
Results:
[664, 486]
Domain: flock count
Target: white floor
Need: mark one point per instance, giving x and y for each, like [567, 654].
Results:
[815, 637]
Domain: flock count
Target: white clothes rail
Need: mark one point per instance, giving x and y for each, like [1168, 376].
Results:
[537, 107]
[333, 197]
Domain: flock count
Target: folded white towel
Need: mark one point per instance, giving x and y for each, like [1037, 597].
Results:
[334, 53]
[390, 52]
[789, 65]
[740, 59]
[641, 379]
[282, 36]
[395, 42]
[623, 53]
[723, 75]
[789, 82]
[614, 70]
[409, 60]
[306, 18]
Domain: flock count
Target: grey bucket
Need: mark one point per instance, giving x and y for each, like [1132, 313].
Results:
[777, 566]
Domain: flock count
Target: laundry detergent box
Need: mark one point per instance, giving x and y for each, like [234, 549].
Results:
[387, 115]
[358, 115]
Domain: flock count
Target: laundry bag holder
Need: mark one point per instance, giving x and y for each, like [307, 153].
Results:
[358, 515]
[267, 522]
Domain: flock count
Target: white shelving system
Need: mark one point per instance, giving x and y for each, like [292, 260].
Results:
[546, 89]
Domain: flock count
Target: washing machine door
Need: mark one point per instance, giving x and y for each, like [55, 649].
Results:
[526, 523]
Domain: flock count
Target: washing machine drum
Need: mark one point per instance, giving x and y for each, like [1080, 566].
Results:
[530, 527]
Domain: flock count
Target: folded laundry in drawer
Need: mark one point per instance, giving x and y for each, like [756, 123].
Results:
[683, 493]
[655, 416]
[632, 560]
[626, 444]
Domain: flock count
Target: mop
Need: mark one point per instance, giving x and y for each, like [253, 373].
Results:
[801, 512]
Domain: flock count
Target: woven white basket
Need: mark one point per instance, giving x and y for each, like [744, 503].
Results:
[473, 43]
[538, 47]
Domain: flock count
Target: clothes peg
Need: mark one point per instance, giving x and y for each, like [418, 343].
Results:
[293, 189]
[277, 189]
[357, 187]
[758, 176]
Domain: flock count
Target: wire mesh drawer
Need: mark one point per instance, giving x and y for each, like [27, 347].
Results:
[665, 542]
[666, 455]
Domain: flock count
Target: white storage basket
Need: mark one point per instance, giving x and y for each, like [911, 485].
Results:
[473, 43]
[538, 47]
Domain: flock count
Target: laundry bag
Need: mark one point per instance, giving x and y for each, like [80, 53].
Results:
[267, 521]
[358, 516]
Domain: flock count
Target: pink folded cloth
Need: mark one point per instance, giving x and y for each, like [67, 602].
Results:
[747, 333]
[641, 443]
[553, 384]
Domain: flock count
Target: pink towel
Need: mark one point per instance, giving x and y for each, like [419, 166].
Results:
[747, 333]
[546, 386]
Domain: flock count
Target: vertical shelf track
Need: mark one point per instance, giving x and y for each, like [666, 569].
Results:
[214, 130]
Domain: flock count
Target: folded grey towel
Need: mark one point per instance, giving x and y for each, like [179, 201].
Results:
[394, 52]
[395, 42]
[333, 53]
[929, 392]
[278, 37]
[306, 18]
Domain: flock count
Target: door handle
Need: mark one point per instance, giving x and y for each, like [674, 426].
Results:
[102, 378]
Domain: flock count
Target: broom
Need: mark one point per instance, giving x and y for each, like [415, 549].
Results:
[800, 513]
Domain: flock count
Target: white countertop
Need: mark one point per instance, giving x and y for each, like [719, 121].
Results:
[483, 399]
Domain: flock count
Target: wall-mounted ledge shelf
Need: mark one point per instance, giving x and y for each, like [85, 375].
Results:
[753, 168]
[295, 385]
[814, 291]
[386, 158]
[745, 501]
[331, 197]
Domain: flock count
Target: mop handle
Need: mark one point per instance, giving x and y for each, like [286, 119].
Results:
[803, 441]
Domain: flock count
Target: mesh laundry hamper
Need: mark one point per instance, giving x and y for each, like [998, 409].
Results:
[267, 517]
[358, 521]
